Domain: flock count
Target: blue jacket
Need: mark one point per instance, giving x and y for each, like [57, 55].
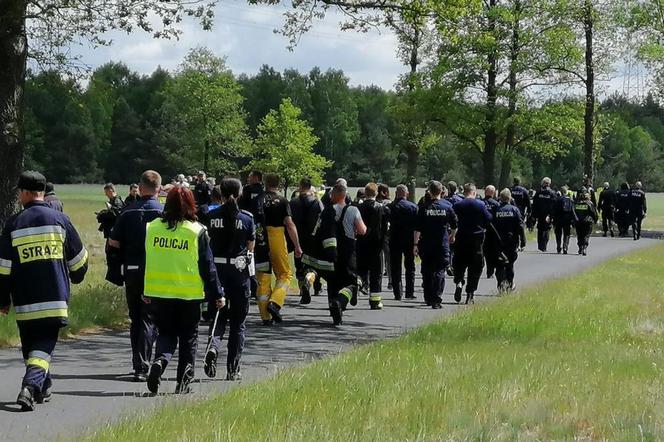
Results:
[434, 222]
[129, 230]
[473, 215]
[509, 225]
[403, 220]
[40, 252]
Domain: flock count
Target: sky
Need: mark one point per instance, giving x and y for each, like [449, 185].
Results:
[244, 35]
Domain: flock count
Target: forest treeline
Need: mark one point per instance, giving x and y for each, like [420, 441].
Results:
[203, 116]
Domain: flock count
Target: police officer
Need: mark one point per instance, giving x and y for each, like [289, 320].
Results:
[383, 198]
[474, 218]
[203, 194]
[622, 211]
[637, 209]
[370, 246]
[251, 200]
[607, 205]
[278, 224]
[521, 198]
[305, 210]
[491, 247]
[436, 227]
[512, 235]
[563, 219]
[586, 217]
[403, 220]
[52, 199]
[128, 239]
[40, 253]
[342, 287]
[232, 235]
[175, 287]
[452, 197]
[543, 211]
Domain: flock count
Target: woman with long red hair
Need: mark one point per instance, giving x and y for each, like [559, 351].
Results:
[179, 275]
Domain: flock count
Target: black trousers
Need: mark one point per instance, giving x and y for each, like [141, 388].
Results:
[563, 232]
[142, 332]
[636, 225]
[342, 283]
[607, 221]
[543, 230]
[177, 324]
[402, 252]
[505, 270]
[237, 291]
[433, 278]
[370, 266]
[583, 231]
[468, 255]
[623, 221]
[38, 342]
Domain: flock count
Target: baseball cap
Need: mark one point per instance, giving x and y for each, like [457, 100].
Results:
[31, 180]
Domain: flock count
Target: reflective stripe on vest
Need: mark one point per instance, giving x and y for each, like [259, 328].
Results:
[171, 261]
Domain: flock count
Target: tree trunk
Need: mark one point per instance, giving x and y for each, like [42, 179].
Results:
[206, 156]
[505, 170]
[412, 150]
[510, 134]
[589, 116]
[490, 132]
[412, 153]
[13, 55]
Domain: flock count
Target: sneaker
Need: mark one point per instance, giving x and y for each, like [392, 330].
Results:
[457, 293]
[139, 376]
[470, 298]
[154, 376]
[234, 376]
[335, 312]
[210, 363]
[26, 399]
[44, 395]
[376, 305]
[274, 309]
[184, 386]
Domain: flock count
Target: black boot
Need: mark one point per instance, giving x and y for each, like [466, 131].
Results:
[45, 394]
[210, 364]
[469, 298]
[154, 375]
[335, 312]
[457, 293]
[274, 309]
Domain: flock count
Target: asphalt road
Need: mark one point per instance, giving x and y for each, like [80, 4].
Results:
[92, 383]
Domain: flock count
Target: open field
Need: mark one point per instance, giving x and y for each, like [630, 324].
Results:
[579, 358]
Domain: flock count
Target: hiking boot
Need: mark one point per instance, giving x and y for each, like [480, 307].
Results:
[457, 293]
[470, 298]
[26, 398]
[234, 376]
[210, 363]
[184, 386]
[274, 309]
[335, 312]
[154, 376]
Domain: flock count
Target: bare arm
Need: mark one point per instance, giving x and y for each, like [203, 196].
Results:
[360, 227]
[292, 233]
[250, 246]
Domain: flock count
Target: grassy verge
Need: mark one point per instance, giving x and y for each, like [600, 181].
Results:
[577, 358]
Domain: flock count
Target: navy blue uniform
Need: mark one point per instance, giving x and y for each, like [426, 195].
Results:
[623, 205]
[474, 218]
[129, 231]
[434, 222]
[563, 219]
[228, 242]
[586, 216]
[511, 230]
[637, 210]
[543, 212]
[40, 252]
[491, 247]
[607, 205]
[521, 200]
[403, 220]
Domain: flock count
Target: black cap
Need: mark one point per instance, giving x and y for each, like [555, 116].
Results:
[31, 180]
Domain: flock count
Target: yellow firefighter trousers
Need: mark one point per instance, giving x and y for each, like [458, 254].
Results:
[280, 266]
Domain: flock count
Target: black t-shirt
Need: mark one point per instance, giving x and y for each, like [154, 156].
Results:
[276, 209]
[203, 194]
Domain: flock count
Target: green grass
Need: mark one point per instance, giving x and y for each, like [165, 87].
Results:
[579, 358]
[94, 303]
[655, 218]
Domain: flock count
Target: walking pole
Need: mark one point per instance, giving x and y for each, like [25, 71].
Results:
[210, 336]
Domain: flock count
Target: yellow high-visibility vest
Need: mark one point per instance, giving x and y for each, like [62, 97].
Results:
[171, 261]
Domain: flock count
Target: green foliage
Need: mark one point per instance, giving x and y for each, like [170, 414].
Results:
[285, 146]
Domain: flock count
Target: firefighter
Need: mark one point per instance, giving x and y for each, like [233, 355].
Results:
[542, 212]
[40, 253]
[175, 287]
[431, 241]
[403, 219]
[306, 209]
[586, 217]
[383, 198]
[370, 246]
[232, 235]
[491, 248]
[473, 219]
[562, 219]
[521, 198]
[607, 205]
[511, 233]
[278, 224]
[128, 239]
[52, 199]
[637, 209]
[622, 211]
[342, 286]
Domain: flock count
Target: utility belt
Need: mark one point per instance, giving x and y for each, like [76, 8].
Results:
[242, 262]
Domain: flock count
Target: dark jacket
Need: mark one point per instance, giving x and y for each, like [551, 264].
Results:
[53, 201]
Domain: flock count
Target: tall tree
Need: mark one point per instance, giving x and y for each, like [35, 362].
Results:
[46, 31]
